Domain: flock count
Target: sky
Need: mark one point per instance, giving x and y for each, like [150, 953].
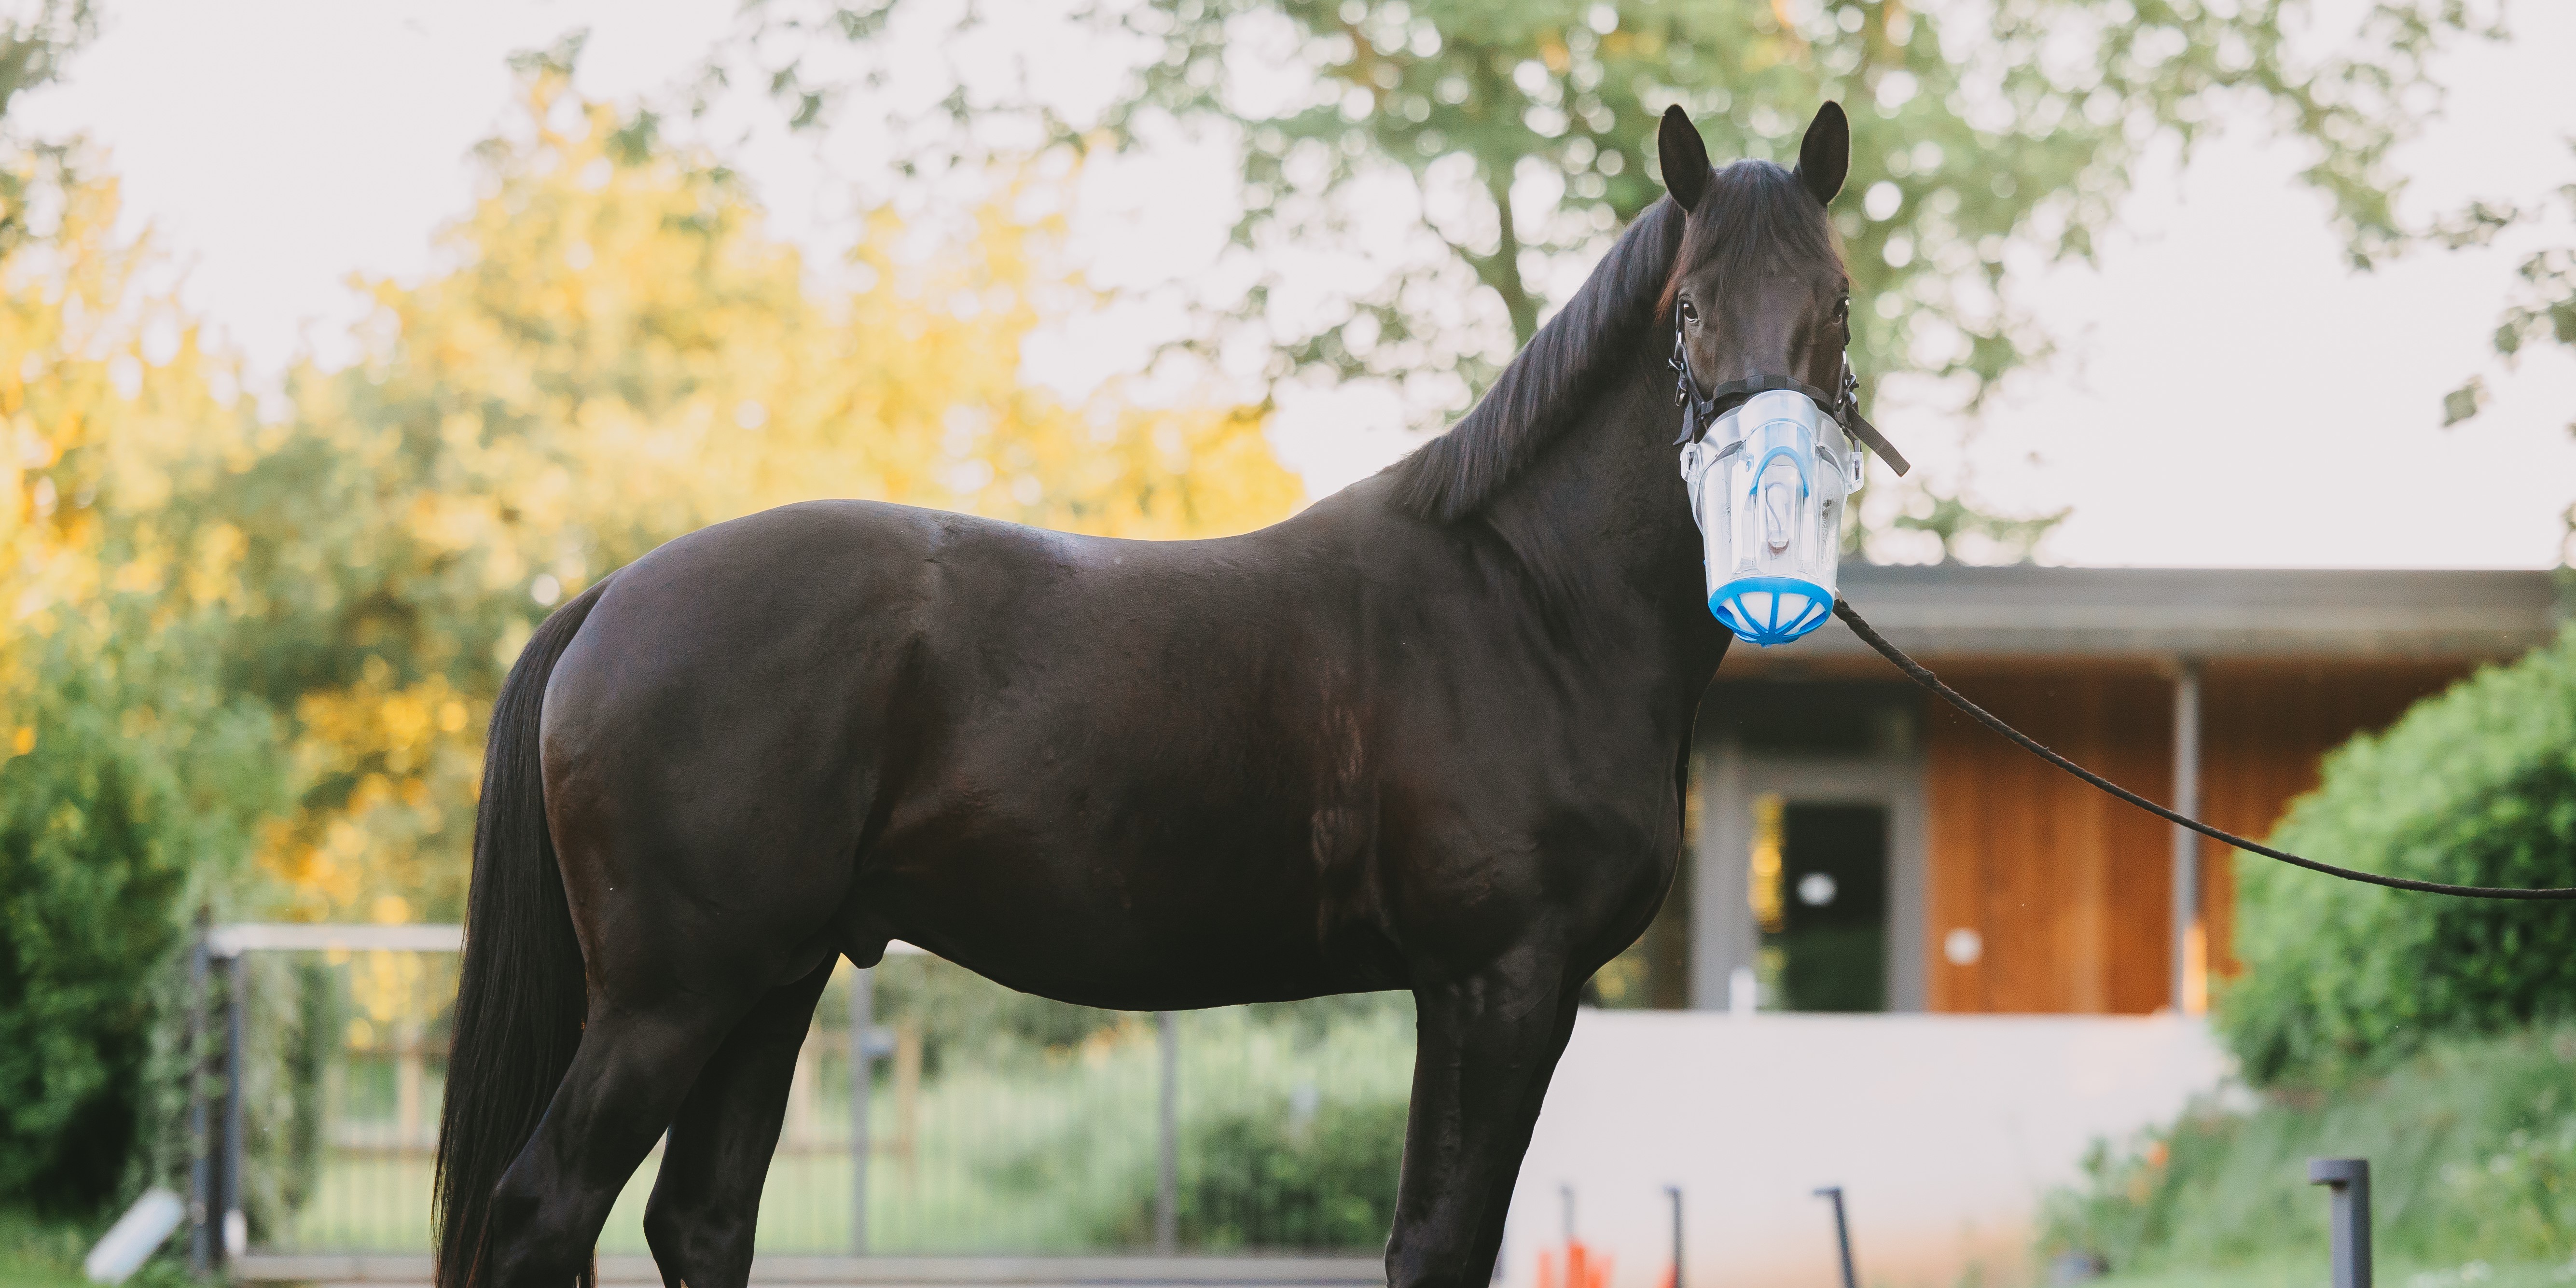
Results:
[2226, 392]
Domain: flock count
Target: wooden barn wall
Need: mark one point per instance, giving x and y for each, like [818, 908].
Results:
[2064, 885]
[2264, 728]
[2070, 890]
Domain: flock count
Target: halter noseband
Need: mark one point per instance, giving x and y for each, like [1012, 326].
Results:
[1700, 412]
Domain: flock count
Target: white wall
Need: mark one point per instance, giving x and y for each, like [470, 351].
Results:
[1942, 1130]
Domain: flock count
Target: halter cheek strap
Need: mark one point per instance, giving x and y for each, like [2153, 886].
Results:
[1701, 412]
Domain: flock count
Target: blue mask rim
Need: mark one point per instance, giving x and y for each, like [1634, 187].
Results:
[1725, 604]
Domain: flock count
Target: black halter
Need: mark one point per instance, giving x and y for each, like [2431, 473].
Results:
[1700, 412]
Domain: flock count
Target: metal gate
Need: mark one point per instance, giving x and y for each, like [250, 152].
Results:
[989, 1122]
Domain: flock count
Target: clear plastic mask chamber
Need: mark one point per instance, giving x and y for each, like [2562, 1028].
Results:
[1767, 485]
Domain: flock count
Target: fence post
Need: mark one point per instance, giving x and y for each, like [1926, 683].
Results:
[201, 1199]
[862, 1018]
[1842, 1233]
[1167, 1178]
[1675, 1192]
[236, 1223]
[2348, 1182]
[2188, 984]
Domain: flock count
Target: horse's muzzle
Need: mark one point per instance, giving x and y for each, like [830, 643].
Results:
[1767, 485]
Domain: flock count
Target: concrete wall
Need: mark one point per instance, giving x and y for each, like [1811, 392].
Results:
[1943, 1131]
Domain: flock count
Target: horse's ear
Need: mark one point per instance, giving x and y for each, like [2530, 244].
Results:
[1685, 157]
[1824, 156]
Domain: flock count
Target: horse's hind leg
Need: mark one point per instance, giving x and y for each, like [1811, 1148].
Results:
[1488, 1042]
[635, 1063]
[707, 1200]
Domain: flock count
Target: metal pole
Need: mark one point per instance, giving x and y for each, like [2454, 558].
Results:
[2186, 843]
[2348, 1182]
[1167, 1180]
[1566, 1193]
[863, 1010]
[236, 1225]
[201, 1199]
[1675, 1193]
[1842, 1233]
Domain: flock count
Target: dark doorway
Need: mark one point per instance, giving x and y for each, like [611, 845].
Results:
[1827, 941]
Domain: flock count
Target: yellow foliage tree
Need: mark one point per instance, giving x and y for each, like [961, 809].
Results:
[128, 771]
[620, 354]
[110, 407]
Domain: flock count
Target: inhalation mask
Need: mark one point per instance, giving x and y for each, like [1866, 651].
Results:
[1770, 462]
[1767, 485]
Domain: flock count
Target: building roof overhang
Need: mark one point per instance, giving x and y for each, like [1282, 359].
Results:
[2026, 611]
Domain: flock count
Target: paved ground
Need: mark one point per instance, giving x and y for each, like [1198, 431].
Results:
[886, 1272]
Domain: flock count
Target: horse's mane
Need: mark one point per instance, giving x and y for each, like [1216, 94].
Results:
[1752, 212]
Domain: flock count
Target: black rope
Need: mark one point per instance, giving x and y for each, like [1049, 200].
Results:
[1922, 675]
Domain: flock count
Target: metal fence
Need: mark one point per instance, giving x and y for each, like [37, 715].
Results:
[988, 1122]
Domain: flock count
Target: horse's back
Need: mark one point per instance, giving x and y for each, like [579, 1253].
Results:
[1043, 755]
[722, 675]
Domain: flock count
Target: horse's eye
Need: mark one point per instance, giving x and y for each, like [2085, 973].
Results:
[1690, 312]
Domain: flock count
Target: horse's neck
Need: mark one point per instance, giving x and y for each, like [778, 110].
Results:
[1602, 522]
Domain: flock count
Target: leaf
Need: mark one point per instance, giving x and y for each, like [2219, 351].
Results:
[2464, 402]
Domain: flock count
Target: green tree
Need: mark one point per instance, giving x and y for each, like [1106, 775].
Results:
[2540, 308]
[129, 776]
[124, 766]
[1522, 131]
[35, 41]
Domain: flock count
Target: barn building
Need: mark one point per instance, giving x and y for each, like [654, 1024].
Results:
[1855, 845]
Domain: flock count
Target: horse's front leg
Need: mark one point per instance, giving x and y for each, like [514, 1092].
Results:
[1489, 1038]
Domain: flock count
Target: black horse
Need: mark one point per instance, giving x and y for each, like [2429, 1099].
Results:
[1429, 734]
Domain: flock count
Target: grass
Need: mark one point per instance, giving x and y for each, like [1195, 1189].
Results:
[40, 1252]
[2472, 1146]
[35, 1253]
[2400, 1274]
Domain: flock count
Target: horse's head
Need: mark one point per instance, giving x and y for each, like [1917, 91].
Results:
[1759, 287]
[1757, 290]
[1761, 307]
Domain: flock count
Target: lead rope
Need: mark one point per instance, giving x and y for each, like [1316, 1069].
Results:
[1922, 675]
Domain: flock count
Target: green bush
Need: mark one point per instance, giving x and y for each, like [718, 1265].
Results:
[134, 789]
[2476, 786]
[2472, 1149]
[1291, 1129]
[1282, 1175]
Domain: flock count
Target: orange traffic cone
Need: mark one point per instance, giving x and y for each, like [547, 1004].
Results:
[1584, 1268]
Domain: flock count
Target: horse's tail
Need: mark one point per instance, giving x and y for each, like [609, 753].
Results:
[519, 995]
